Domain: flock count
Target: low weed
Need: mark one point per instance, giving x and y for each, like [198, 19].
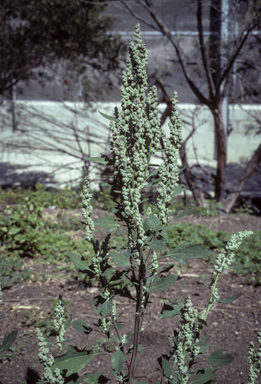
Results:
[12, 271]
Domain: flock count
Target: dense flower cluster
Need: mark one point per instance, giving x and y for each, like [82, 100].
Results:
[87, 209]
[254, 360]
[58, 323]
[184, 340]
[169, 169]
[224, 260]
[49, 375]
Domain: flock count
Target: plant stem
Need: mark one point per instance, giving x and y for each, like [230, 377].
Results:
[138, 321]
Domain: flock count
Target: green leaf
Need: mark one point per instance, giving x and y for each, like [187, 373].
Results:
[185, 251]
[82, 327]
[108, 223]
[157, 244]
[162, 284]
[117, 361]
[104, 309]
[218, 358]
[14, 230]
[153, 173]
[202, 378]
[177, 190]
[119, 258]
[112, 118]
[231, 298]
[154, 182]
[152, 222]
[203, 281]
[184, 213]
[79, 264]
[166, 368]
[96, 378]
[99, 160]
[8, 341]
[142, 382]
[2, 314]
[169, 311]
[73, 361]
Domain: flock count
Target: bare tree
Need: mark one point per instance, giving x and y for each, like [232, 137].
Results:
[216, 59]
[73, 136]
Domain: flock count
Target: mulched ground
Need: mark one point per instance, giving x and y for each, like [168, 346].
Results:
[232, 326]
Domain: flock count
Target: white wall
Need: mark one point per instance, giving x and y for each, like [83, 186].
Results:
[47, 122]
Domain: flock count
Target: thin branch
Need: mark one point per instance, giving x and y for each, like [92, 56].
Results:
[211, 85]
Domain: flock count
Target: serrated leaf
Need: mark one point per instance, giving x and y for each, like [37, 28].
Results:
[73, 361]
[82, 327]
[79, 264]
[231, 298]
[104, 309]
[112, 118]
[108, 223]
[96, 378]
[202, 378]
[8, 341]
[166, 367]
[119, 258]
[162, 284]
[152, 222]
[203, 281]
[218, 358]
[117, 361]
[185, 251]
[169, 311]
[157, 244]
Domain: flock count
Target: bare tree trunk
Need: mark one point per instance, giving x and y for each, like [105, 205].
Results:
[220, 185]
[249, 169]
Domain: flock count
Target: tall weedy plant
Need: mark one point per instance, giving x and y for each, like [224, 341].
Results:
[135, 138]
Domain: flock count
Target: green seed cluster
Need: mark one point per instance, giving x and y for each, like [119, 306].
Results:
[169, 169]
[87, 209]
[58, 323]
[184, 340]
[254, 360]
[224, 260]
[49, 375]
[133, 134]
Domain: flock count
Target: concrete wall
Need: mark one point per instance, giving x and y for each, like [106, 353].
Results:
[44, 126]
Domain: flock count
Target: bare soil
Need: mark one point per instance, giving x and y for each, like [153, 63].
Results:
[232, 326]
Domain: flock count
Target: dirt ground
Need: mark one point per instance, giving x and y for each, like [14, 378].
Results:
[232, 326]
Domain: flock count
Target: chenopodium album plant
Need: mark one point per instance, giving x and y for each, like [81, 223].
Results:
[136, 136]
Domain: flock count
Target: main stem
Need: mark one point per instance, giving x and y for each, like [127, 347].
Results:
[138, 321]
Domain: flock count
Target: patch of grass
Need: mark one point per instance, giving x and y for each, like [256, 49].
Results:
[248, 256]
[62, 198]
[12, 271]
